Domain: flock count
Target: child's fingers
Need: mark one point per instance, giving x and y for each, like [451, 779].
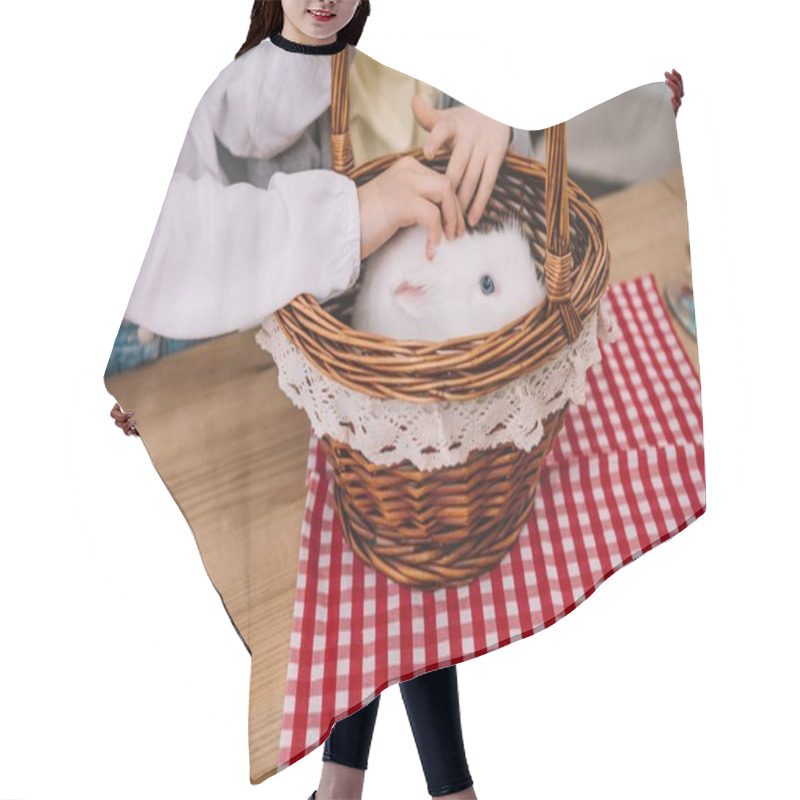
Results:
[449, 210]
[433, 120]
[675, 84]
[674, 80]
[439, 135]
[454, 214]
[462, 225]
[675, 87]
[435, 198]
[124, 420]
[469, 183]
[491, 168]
[118, 414]
[433, 222]
[457, 164]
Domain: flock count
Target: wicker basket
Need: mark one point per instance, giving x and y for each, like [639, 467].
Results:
[445, 527]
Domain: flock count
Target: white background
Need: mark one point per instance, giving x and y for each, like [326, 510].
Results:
[121, 674]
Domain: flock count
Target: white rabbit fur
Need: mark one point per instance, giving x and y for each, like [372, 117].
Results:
[451, 299]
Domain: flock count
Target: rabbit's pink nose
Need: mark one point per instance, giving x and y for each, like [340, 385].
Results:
[406, 289]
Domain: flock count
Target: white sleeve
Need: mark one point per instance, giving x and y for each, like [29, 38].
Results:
[223, 257]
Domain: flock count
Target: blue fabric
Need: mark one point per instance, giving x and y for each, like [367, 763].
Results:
[129, 352]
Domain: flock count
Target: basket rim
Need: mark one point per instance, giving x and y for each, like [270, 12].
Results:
[466, 366]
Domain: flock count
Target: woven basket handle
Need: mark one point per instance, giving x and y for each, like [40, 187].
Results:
[341, 146]
[558, 262]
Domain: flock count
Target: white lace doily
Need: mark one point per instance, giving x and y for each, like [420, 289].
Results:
[438, 434]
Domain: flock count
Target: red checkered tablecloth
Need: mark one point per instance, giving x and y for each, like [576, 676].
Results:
[625, 474]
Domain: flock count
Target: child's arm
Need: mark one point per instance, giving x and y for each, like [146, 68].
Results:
[223, 256]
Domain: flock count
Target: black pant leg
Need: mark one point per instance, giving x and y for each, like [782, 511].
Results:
[351, 737]
[433, 710]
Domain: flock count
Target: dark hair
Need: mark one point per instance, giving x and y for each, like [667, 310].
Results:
[266, 18]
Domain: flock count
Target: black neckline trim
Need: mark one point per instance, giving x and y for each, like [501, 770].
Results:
[310, 49]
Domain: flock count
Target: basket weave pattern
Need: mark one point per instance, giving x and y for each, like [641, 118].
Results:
[448, 526]
[462, 521]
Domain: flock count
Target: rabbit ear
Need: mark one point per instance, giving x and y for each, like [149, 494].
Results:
[410, 298]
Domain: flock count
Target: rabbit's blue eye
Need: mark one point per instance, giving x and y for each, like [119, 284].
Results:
[487, 284]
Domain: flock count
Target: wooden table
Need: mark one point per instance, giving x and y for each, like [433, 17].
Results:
[648, 231]
[239, 477]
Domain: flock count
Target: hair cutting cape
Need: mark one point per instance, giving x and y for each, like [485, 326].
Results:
[358, 533]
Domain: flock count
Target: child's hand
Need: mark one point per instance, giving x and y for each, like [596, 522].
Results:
[408, 193]
[123, 419]
[479, 144]
[675, 82]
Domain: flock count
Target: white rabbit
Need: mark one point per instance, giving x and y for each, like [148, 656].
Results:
[476, 283]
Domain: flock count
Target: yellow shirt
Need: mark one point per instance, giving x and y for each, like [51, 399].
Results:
[381, 119]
